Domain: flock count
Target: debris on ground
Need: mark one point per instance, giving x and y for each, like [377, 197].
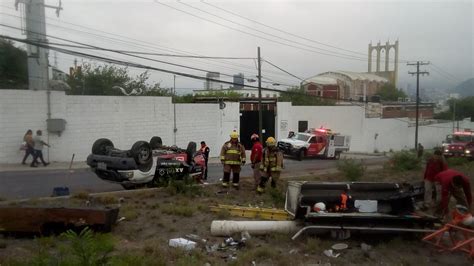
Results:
[365, 247]
[182, 243]
[340, 246]
[330, 253]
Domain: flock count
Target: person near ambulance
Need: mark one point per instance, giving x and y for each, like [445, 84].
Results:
[256, 158]
[205, 153]
[452, 183]
[272, 164]
[232, 158]
[434, 166]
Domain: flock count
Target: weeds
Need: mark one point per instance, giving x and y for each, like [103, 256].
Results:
[223, 214]
[404, 161]
[457, 161]
[352, 169]
[129, 212]
[80, 195]
[178, 210]
[107, 200]
[184, 187]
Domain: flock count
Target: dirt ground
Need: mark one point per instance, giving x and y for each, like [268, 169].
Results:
[154, 217]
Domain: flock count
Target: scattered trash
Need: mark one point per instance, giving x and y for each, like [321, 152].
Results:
[365, 247]
[121, 200]
[88, 203]
[196, 238]
[212, 249]
[293, 251]
[367, 206]
[228, 241]
[182, 243]
[254, 263]
[340, 246]
[207, 264]
[340, 234]
[330, 253]
[245, 236]
[121, 219]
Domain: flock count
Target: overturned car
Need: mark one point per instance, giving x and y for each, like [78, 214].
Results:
[146, 163]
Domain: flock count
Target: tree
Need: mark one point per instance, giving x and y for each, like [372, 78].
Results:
[104, 80]
[297, 96]
[13, 66]
[388, 92]
[227, 95]
[464, 109]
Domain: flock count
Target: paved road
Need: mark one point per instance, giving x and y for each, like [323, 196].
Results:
[40, 183]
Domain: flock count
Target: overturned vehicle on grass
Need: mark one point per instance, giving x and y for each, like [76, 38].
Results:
[146, 163]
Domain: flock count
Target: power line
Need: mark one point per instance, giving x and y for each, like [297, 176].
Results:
[269, 34]
[280, 30]
[255, 35]
[283, 70]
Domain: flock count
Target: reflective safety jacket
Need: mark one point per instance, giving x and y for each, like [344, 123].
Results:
[233, 153]
[272, 161]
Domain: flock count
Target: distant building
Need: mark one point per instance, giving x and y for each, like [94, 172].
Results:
[344, 85]
[239, 81]
[210, 83]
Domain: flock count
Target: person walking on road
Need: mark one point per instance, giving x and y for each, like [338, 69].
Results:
[28, 145]
[434, 166]
[452, 183]
[271, 166]
[232, 158]
[38, 147]
[205, 152]
[256, 158]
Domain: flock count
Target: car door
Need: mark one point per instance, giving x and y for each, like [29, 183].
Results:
[313, 146]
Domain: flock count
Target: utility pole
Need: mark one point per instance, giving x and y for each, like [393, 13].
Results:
[417, 73]
[35, 28]
[174, 109]
[259, 96]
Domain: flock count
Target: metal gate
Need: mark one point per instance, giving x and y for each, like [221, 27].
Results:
[249, 126]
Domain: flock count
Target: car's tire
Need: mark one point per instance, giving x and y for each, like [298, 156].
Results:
[142, 154]
[156, 142]
[102, 146]
[191, 150]
[300, 155]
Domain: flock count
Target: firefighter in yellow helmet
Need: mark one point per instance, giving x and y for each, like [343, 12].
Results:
[232, 157]
[272, 164]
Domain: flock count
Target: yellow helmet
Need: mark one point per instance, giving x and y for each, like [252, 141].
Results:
[234, 135]
[271, 141]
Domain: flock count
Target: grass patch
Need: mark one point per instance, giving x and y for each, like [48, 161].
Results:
[352, 169]
[107, 200]
[177, 210]
[223, 214]
[457, 161]
[129, 212]
[80, 195]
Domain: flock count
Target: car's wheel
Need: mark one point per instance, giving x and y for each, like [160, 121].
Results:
[300, 155]
[102, 146]
[156, 142]
[142, 153]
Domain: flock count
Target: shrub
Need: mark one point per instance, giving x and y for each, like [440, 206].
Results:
[352, 169]
[405, 161]
[457, 161]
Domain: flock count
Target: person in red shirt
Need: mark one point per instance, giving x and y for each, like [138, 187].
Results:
[256, 158]
[452, 183]
[434, 166]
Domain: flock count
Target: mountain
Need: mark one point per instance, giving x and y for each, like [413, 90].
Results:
[465, 89]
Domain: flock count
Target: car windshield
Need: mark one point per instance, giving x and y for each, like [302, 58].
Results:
[302, 137]
[459, 138]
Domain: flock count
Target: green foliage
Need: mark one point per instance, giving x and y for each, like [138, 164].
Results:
[13, 66]
[464, 109]
[228, 95]
[404, 161]
[179, 209]
[297, 96]
[352, 169]
[187, 98]
[101, 79]
[457, 161]
[185, 187]
[388, 92]
[277, 196]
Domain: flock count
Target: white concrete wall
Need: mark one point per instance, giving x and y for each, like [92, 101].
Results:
[124, 120]
[395, 134]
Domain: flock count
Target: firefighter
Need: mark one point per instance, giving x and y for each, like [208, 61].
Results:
[232, 157]
[256, 158]
[452, 183]
[271, 166]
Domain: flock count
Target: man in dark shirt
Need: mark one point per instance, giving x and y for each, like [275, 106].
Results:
[205, 152]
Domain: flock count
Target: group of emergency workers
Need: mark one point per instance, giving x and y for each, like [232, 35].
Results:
[266, 163]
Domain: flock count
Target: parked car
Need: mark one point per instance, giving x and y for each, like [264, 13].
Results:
[146, 163]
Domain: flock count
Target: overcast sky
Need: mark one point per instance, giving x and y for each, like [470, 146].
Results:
[440, 32]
